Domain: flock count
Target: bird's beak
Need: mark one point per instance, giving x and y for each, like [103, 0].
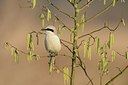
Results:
[43, 29]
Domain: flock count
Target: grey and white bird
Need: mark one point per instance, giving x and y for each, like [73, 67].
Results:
[52, 44]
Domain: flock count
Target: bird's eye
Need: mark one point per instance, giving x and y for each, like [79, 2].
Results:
[48, 29]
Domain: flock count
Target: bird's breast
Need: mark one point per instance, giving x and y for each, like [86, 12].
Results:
[52, 43]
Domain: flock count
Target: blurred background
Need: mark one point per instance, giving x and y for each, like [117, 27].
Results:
[16, 22]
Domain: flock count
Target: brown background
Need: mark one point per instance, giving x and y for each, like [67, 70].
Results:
[16, 22]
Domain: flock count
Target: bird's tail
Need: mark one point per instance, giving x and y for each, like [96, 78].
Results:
[51, 63]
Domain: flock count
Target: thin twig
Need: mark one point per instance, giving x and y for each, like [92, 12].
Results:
[64, 26]
[70, 2]
[8, 44]
[57, 18]
[82, 65]
[99, 13]
[116, 76]
[97, 30]
[65, 55]
[66, 41]
[86, 5]
[80, 43]
[59, 9]
[67, 47]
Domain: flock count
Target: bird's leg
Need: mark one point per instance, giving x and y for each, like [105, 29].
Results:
[52, 60]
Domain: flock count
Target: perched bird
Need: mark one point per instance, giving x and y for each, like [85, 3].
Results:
[52, 44]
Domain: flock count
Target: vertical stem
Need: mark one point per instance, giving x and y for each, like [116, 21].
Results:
[75, 49]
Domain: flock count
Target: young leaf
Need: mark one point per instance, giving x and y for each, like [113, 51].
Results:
[126, 55]
[66, 77]
[122, 1]
[70, 0]
[42, 19]
[16, 56]
[64, 70]
[12, 50]
[113, 55]
[111, 40]
[104, 2]
[29, 56]
[48, 14]
[30, 44]
[33, 4]
[113, 2]
[28, 41]
[122, 20]
[89, 52]
[50, 67]
[85, 48]
[97, 45]
[82, 20]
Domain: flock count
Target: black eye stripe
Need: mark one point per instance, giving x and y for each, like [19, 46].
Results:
[48, 29]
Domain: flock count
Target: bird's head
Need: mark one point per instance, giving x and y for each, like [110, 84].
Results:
[49, 30]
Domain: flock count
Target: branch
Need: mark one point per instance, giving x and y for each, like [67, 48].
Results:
[34, 55]
[104, 27]
[70, 2]
[86, 5]
[89, 37]
[80, 44]
[66, 41]
[65, 55]
[116, 76]
[82, 65]
[64, 26]
[66, 47]
[10, 45]
[59, 9]
[99, 13]
[58, 19]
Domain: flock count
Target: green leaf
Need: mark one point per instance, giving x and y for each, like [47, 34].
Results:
[113, 55]
[105, 2]
[126, 55]
[50, 67]
[30, 44]
[12, 50]
[42, 19]
[65, 74]
[122, 1]
[82, 21]
[85, 48]
[122, 20]
[113, 2]
[97, 45]
[89, 52]
[29, 56]
[48, 15]
[33, 4]
[70, 0]
[111, 40]
[28, 41]
[14, 54]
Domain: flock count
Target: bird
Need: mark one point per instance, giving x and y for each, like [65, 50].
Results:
[52, 45]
